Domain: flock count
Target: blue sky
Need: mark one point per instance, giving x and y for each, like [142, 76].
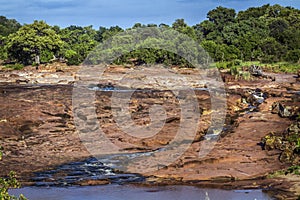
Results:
[121, 12]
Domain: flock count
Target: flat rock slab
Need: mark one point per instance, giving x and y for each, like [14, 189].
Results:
[38, 133]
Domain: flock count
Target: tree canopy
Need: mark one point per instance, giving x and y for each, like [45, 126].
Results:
[33, 42]
[269, 33]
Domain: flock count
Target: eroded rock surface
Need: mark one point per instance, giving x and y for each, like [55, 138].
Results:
[37, 127]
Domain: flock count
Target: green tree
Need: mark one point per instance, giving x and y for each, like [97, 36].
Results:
[30, 41]
[272, 50]
[180, 26]
[293, 56]
[221, 16]
[106, 33]
[210, 46]
[253, 13]
[8, 26]
[277, 29]
[78, 42]
[3, 51]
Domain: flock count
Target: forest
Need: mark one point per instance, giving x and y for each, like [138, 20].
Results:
[268, 34]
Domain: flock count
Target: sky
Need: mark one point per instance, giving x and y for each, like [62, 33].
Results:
[124, 13]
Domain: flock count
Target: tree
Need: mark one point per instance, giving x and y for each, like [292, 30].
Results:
[31, 41]
[210, 46]
[206, 30]
[277, 29]
[273, 50]
[162, 25]
[104, 33]
[253, 13]
[221, 16]
[137, 25]
[180, 26]
[8, 26]
[3, 51]
[293, 56]
[78, 42]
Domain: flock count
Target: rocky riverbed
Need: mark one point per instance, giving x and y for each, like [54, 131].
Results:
[38, 132]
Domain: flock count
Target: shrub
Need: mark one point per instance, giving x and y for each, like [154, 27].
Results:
[72, 57]
[246, 76]
[16, 66]
[237, 62]
[46, 56]
[293, 56]
[221, 65]
[269, 59]
[234, 71]
[295, 169]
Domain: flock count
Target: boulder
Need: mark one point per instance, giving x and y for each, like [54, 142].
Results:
[256, 97]
[255, 70]
[285, 109]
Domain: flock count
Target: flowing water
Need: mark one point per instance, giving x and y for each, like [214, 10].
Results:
[61, 184]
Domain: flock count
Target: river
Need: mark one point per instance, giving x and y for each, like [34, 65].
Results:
[131, 192]
[61, 183]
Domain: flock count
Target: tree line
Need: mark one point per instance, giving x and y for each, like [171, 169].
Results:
[270, 33]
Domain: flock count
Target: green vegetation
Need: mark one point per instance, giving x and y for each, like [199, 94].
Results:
[285, 67]
[287, 142]
[294, 169]
[16, 66]
[33, 42]
[267, 34]
[136, 46]
[7, 183]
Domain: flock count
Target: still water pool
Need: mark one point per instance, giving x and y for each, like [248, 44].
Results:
[131, 192]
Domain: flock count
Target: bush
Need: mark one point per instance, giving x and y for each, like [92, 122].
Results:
[246, 76]
[287, 142]
[72, 57]
[293, 56]
[288, 67]
[16, 66]
[295, 169]
[237, 62]
[269, 59]
[46, 56]
[221, 65]
[234, 71]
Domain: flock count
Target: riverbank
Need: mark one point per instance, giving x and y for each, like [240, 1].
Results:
[38, 132]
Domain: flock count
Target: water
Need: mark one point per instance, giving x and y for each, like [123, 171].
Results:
[62, 184]
[109, 87]
[131, 192]
[75, 172]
